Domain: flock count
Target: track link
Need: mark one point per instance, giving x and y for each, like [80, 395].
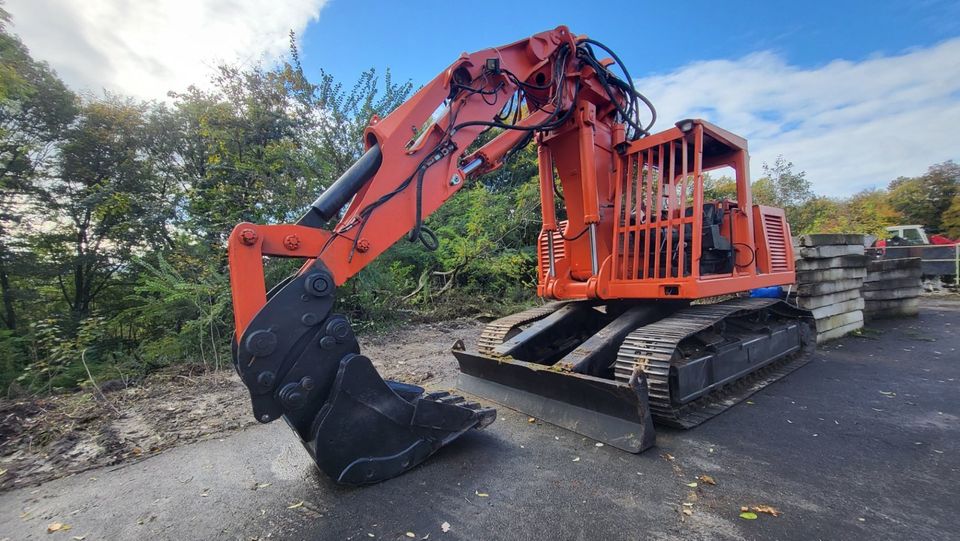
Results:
[496, 332]
[653, 348]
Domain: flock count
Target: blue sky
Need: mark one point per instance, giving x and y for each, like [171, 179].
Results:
[418, 39]
[853, 93]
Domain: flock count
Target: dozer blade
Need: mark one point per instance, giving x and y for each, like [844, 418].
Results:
[615, 413]
[303, 363]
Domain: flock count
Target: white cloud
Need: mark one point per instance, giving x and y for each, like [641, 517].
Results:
[146, 48]
[849, 125]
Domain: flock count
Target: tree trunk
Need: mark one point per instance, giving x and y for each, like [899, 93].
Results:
[9, 314]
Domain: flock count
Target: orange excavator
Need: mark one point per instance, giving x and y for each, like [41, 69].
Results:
[645, 321]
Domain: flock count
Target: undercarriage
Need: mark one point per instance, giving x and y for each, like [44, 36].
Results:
[608, 371]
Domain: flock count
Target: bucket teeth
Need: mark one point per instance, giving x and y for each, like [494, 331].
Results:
[398, 431]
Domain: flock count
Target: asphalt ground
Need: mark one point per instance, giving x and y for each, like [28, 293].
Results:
[861, 443]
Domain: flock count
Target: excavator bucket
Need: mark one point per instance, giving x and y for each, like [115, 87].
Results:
[302, 362]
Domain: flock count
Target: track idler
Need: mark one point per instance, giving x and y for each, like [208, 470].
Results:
[301, 362]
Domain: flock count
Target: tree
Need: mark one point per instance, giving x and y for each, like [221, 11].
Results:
[780, 186]
[35, 107]
[923, 200]
[719, 188]
[951, 219]
[104, 202]
[261, 144]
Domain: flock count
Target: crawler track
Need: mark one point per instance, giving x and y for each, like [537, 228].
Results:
[655, 348]
[496, 332]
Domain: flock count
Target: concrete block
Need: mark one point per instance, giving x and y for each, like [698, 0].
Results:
[813, 302]
[839, 320]
[891, 308]
[823, 239]
[825, 288]
[877, 285]
[831, 262]
[889, 294]
[829, 275]
[876, 265]
[831, 250]
[839, 332]
[851, 305]
[894, 274]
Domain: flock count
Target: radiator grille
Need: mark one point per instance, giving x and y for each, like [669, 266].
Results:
[777, 240]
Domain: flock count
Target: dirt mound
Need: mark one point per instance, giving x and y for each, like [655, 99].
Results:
[49, 437]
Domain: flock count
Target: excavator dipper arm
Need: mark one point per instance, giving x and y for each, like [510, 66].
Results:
[301, 361]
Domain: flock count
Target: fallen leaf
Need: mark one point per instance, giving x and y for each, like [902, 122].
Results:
[295, 505]
[55, 527]
[370, 535]
[692, 485]
[531, 420]
[687, 512]
[137, 451]
[748, 515]
[707, 479]
[766, 509]
[445, 527]
[576, 459]
[687, 504]
[750, 402]
[668, 456]
[258, 486]
[744, 508]
[481, 494]
[3, 472]
[410, 534]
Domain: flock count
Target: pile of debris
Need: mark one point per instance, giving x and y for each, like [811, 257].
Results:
[892, 288]
[830, 271]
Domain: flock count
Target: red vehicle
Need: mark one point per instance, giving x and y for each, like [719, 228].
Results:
[628, 242]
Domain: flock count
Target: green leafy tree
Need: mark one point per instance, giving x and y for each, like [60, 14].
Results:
[35, 108]
[781, 186]
[951, 219]
[719, 188]
[104, 202]
[923, 200]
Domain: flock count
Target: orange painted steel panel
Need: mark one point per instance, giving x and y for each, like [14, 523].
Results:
[655, 183]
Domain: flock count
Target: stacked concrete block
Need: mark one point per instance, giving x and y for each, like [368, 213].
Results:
[892, 288]
[830, 271]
